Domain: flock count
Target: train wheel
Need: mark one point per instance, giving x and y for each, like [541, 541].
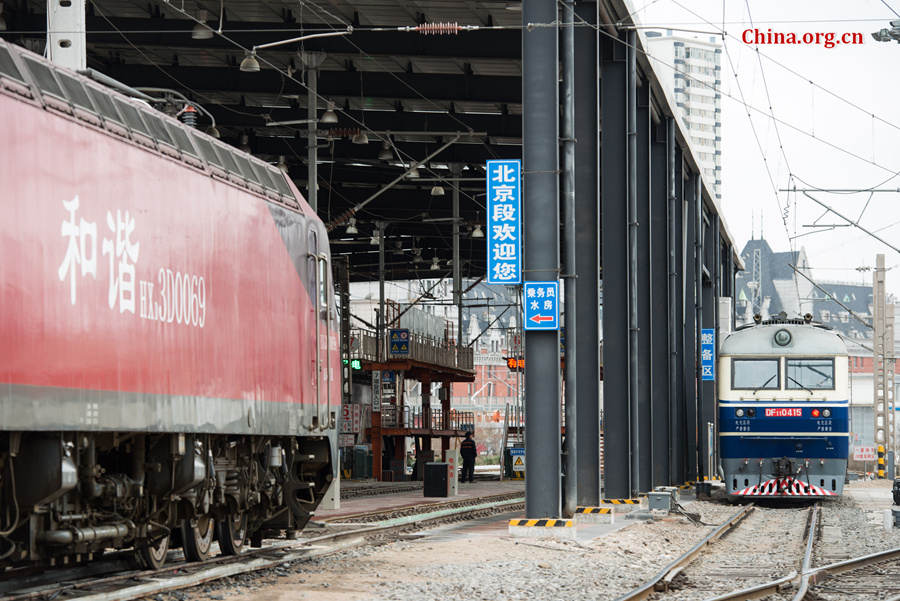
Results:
[197, 537]
[152, 557]
[232, 533]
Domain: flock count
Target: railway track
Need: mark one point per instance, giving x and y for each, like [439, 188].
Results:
[748, 557]
[114, 581]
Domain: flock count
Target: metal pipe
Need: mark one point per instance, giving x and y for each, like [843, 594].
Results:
[310, 36]
[540, 137]
[633, 324]
[381, 319]
[312, 171]
[115, 84]
[84, 535]
[568, 173]
[672, 291]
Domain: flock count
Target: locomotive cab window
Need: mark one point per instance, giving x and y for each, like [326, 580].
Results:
[810, 374]
[755, 374]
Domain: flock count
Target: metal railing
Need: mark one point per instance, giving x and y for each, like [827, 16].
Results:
[432, 418]
[421, 348]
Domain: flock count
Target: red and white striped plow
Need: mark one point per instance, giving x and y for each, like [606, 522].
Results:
[784, 487]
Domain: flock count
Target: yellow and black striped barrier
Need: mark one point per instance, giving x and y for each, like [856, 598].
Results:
[881, 461]
[620, 501]
[593, 510]
[546, 523]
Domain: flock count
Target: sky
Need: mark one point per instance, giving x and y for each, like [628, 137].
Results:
[817, 126]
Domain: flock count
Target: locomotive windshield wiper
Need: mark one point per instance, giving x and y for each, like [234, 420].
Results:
[764, 384]
[800, 385]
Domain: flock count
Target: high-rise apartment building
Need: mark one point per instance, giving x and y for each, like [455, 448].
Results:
[695, 82]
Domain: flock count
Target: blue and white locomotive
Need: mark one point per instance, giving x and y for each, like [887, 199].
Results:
[784, 414]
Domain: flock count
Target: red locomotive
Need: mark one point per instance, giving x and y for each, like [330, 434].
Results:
[169, 360]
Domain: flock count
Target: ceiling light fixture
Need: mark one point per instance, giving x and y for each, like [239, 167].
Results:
[201, 30]
[413, 173]
[477, 232]
[360, 137]
[329, 116]
[437, 191]
[245, 143]
[282, 164]
[213, 131]
[251, 65]
[435, 264]
[351, 227]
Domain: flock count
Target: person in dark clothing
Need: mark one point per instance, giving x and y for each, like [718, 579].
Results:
[468, 451]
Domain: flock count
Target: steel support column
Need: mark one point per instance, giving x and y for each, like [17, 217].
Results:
[587, 258]
[659, 308]
[691, 299]
[708, 320]
[614, 255]
[641, 264]
[568, 180]
[540, 140]
[675, 204]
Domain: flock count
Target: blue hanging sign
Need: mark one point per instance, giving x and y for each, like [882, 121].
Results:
[541, 305]
[707, 354]
[504, 222]
[398, 341]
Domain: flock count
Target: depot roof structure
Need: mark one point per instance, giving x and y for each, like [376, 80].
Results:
[404, 80]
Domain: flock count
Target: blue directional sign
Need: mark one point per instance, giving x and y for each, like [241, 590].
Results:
[504, 222]
[541, 305]
[398, 341]
[708, 354]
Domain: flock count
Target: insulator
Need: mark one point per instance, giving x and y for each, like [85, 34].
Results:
[438, 28]
[189, 116]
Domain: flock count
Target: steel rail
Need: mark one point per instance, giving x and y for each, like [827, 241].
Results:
[420, 508]
[184, 575]
[819, 574]
[807, 556]
[665, 576]
[775, 586]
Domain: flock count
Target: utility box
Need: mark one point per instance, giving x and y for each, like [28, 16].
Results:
[437, 479]
[659, 501]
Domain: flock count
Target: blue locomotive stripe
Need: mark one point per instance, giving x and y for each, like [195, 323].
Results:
[795, 419]
[812, 447]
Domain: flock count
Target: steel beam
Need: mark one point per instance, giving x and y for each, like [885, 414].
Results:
[617, 477]
[675, 206]
[540, 49]
[689, 228]
[641, 263]
[587, 258]
[659, 308]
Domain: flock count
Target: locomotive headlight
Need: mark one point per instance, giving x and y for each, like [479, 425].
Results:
[815, 413]
[826, 412]
[739, 412]
[782, 337]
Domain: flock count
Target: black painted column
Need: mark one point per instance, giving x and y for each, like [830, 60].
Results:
[659, 307]
[678, 427]
[587, 262]
[644, 444]
[689, 228]
[540, 141]
[614, 257]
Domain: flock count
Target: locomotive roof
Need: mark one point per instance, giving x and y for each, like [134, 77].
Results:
[806, 339]
[66, 91]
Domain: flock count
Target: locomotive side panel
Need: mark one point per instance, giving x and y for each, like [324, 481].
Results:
[144, 295]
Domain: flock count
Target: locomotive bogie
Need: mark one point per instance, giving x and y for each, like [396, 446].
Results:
[70, 495]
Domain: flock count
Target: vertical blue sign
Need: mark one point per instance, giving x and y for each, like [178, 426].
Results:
[541, 305]
[708, 354]
[504, 222]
